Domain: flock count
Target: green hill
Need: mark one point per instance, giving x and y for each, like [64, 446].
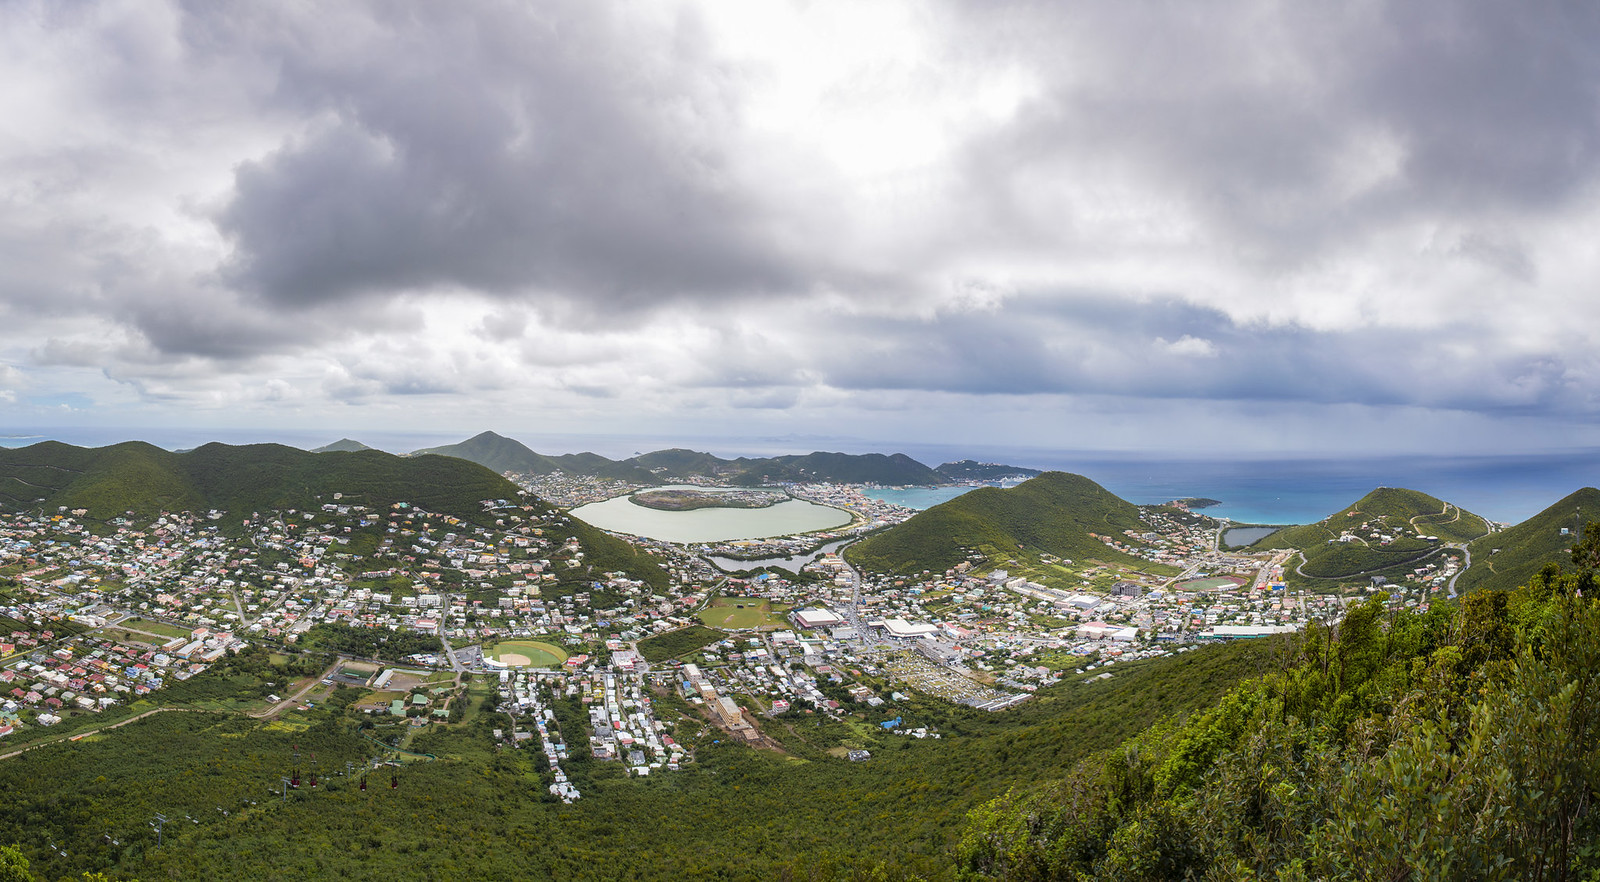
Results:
[1053, 513]
[972, 470]
[503, 454]
[1509, 558]
[1484, 769]
[144, 479]
[600, 467]
[678, 462]
[482, 811]
[868, 468]
[1383, 533]
[343, 445]
[496, 453]
[506, 455]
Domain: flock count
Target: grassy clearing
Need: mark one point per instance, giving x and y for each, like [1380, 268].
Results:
[738, 614]
[529, 653]
[675, 644]
[151, 627]
[1209, 584]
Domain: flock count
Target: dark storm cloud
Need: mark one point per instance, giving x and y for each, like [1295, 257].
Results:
[1163, 348]
[506, 148]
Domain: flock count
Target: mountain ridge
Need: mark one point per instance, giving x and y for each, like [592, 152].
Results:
[503, 454]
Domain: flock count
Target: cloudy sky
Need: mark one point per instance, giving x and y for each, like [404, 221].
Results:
[1232, 226]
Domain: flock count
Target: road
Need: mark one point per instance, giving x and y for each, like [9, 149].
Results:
[294, 699]
[853, 612]
[1465, 565]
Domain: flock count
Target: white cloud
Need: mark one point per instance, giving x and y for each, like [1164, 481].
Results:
[1192, 347]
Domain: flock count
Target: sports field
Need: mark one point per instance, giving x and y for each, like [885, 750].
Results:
[738, 613]
[150, 627]
[526, 653]
[1209, 584]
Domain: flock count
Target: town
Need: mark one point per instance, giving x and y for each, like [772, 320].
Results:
[98, 615]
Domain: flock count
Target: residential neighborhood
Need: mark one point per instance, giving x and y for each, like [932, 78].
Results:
[100, 614]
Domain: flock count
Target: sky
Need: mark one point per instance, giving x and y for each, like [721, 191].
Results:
[1247, 228]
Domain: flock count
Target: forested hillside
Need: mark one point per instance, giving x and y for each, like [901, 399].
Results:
[483, 812]
[503, 454]
[1446, 744]
[1512, 557]
[1385, 533]
[496, 453]
[1054, 513]
[144, 479]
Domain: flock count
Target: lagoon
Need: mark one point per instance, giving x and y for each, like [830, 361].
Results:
[619, 515]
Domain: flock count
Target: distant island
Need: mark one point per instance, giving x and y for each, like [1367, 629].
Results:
[689, 500]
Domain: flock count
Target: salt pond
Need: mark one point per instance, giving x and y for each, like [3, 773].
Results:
[789, 518]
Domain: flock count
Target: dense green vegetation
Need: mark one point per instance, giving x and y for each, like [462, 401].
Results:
[484, 812]
[1053, 513]
[1451, 744]
[672, 499]
[866, 468]
[1379, 535]
[972, 470]
[600, 467]
[674, 644]
[138, 477]
[503, 454]
[496, 453]
[343, 445]
[378, 643]
[1530, 545]
[145, 479]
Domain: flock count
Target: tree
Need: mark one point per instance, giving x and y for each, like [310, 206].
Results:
[1586, 552]
[13, 866]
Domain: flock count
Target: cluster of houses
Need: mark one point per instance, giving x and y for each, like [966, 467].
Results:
[522, 695]
[622, 721]
[277, 574]
[86, 673]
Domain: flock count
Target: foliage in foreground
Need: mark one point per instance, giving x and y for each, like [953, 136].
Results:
[1452, 744]
[484, 812]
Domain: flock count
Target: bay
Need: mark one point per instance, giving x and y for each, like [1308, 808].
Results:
[1302, 490]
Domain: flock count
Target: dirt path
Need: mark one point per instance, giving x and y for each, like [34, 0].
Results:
[294, 699]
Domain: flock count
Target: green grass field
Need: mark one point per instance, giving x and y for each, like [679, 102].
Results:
[154, 628]
[1208, 584]
[734, 614]
[526, 653]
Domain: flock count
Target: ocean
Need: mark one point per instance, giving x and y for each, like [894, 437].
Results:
[1508, 489]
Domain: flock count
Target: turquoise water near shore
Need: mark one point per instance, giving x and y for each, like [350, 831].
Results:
[1509, 489]
[919, 498]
